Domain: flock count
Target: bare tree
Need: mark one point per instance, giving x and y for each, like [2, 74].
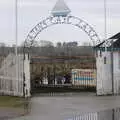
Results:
[59, 44]
[35, 44]
[45, 43]
[86, 44]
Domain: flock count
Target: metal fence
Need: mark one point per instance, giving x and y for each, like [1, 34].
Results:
[112, 114]
[75, 81]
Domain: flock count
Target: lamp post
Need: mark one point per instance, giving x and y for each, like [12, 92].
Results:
[105, 32]
[105, 22]
[105, 35]
[16, 40]
[112, 66]
[105, 19]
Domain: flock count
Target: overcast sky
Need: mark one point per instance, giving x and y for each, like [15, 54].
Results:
[30, 12]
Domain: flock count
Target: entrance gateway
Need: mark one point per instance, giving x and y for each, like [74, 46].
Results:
[59, 15]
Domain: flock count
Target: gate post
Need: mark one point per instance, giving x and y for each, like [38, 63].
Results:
[104, 75]
[26, 80]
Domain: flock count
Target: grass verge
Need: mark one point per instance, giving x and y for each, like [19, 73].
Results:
[14, 102]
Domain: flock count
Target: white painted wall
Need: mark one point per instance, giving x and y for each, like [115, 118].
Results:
[27, 75]
[104, 76]
[116, 72]
[11, 83]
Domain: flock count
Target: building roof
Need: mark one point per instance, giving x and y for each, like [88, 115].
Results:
[60, 9]
[113, 41]
[116, 36]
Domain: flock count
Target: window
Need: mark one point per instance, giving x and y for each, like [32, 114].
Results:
[119, 60]
[100, 53]
[105, 60]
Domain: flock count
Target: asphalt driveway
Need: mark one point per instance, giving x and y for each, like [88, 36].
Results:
[61, 107]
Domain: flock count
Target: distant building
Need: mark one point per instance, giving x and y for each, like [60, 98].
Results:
[44, 43]
[2, 44]
[72, 44]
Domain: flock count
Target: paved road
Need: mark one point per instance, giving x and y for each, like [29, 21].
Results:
[66, 106]
[6, 113]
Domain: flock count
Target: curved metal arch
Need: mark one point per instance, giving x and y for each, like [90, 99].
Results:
[53, 20]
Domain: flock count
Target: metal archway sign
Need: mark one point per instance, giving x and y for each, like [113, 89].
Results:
[53, 20]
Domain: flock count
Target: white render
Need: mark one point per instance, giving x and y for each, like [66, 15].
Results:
[116, 72]
[27, 75]
[11, 83]
[104, 76]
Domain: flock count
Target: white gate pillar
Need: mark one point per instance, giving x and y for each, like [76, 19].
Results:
[27, 87]
[104, 72]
